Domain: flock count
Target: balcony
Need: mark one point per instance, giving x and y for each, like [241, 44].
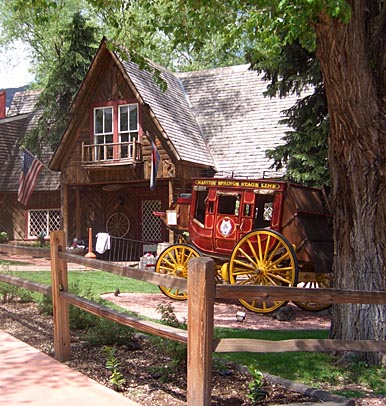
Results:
[115, 153]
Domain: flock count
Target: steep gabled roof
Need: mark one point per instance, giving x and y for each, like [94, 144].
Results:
[238, 122]
[173, 111]
[13, 129]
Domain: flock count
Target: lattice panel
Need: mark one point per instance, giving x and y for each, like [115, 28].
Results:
[54, 220]
[151, 224]
[43, 221]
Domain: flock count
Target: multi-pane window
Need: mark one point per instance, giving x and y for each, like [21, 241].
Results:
[103, 132]
[116, 130]
[42, 222]
[128, 129]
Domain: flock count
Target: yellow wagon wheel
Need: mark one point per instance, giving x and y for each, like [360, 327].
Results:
[118, 225]
[322, 281]
[173, 261]
[263, 257]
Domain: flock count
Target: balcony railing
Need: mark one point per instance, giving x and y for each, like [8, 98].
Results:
[115, 153]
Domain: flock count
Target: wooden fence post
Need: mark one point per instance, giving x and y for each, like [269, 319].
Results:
[60, 306]
[201, 295]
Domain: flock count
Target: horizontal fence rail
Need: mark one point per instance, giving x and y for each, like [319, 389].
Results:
[199, 337]
[295, 345]
[149, 327]
[26, 284]
[24, 250]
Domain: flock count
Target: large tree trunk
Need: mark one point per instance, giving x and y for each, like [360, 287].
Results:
[352, 60]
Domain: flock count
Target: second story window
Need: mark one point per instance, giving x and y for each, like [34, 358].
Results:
[103, 132]
[116, 132]
[128, 129]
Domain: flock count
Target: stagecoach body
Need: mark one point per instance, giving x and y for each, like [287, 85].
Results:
[257, 231]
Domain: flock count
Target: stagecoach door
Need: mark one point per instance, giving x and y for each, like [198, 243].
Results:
[238, 213]
[226, 218]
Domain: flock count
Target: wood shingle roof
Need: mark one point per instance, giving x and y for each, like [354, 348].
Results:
[238, 122]
[173, 111]
[13, 129]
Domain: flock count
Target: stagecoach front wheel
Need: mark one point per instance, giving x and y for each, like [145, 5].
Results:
[263, 257]
[173, 261]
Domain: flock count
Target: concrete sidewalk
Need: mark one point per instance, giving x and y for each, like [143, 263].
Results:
[29, 377]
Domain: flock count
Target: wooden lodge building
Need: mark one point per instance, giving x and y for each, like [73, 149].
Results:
[43, 212]
[208, 122]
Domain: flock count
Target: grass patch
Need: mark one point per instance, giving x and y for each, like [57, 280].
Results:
[95, 282]
[314, 369]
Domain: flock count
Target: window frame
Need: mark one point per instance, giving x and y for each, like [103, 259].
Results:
[115, 153]
[48, 229]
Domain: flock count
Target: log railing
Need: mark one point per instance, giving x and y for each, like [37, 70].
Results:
[199, 337]
[111, 153]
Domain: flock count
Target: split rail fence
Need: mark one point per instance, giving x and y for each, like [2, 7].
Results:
[199, 336]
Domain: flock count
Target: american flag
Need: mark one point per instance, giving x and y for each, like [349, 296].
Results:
[30, 168]
[155, 158]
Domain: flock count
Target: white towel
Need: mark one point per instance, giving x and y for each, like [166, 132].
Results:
[102, 243]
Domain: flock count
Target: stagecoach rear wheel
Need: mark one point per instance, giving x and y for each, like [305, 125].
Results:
[322, 281]
[173, 261]
[263, 257]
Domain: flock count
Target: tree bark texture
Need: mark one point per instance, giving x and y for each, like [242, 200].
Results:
[353, 60]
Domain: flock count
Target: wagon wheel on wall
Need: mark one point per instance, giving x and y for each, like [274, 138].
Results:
[118, 225]
[322, 281]
[173, 261]
[263, 257]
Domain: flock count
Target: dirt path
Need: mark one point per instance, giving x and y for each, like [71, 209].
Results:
[224, 312]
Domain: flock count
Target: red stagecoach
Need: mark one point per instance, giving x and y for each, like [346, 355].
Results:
[259, 232]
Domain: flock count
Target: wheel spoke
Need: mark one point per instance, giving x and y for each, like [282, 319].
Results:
[243, 264]
[263, 257]
[281, 259]
[280, 278]
[174, 261]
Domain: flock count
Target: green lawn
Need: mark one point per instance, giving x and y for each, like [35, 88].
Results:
[95, 282]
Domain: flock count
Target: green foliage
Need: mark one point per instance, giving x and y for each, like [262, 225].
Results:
[116, 377]
[45, 305]
[168, 316]
[304, 151]
[106, 332]
[176, 352]
[64, 81]
[256, 393]
[3, 236]
[39, 24]
[146, 29]
[11, 293]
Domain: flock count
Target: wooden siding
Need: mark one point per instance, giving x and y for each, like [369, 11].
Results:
[96, 205]
[13, 216]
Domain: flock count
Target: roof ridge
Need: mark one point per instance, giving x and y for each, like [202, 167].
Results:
[215, 71]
